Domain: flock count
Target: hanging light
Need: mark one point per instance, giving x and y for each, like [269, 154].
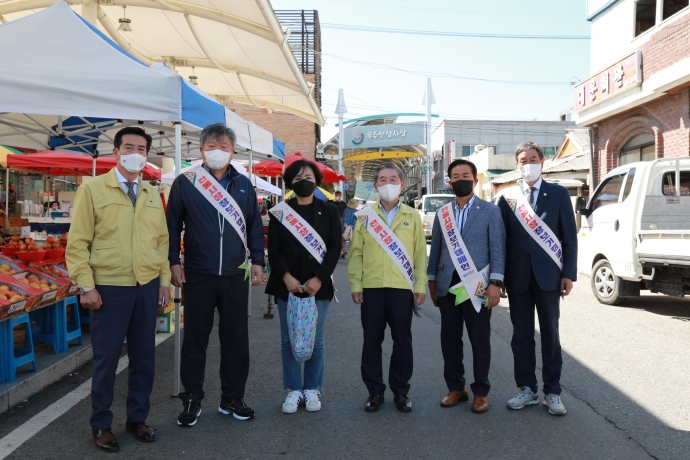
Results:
[124, 22]
[193, 79]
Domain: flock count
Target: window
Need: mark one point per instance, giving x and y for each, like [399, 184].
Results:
[645, 15]
[550, 152]
[468, 150]
[638, 148]
[669, 183]
[628, 183]
[609, 192]
[433, 204]
[671, 7]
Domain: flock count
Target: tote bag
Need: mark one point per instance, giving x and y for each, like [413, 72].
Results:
[302, 316]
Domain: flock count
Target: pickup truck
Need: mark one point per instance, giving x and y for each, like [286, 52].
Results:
[428, 206]
[636, 235]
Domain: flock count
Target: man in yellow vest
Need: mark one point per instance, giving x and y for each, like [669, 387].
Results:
[387, 271]
[118, 255]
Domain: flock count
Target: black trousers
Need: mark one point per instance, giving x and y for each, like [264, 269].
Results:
[524, 347]
[127, 311]
[202, 295]
[479, 332]
[390, 306]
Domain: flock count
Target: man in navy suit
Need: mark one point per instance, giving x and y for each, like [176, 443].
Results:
[481, 228]
[534, 278]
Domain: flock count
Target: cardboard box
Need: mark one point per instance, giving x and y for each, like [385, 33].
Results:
[170, 306]
[20, 226]
[166, 322]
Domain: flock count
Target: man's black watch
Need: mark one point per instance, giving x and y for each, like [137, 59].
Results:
[496, 283]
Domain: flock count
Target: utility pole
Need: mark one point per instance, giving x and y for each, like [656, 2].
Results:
[429, 101]
[340, 110]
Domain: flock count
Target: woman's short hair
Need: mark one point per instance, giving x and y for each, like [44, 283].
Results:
[294, 169]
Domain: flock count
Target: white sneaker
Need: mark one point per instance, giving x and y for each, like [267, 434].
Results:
[553, 402]
[312, 398]
[292, 402]
[526, 397]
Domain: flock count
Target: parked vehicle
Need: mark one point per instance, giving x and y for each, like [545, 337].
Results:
[636, 235]
[428, 206]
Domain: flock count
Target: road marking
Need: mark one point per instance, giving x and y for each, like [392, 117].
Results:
[35, 424]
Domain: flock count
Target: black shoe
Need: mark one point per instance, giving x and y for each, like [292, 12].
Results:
[374, 403]
[191, 409]
[403, 403]
[236, 407]
[105, 441]
[142, 432]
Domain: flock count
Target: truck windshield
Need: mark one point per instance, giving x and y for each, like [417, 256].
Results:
[433, 204]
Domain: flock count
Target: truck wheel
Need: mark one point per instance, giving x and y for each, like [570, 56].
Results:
[604, 284]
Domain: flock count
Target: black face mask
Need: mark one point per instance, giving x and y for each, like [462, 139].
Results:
[303, 187]
[462, 187]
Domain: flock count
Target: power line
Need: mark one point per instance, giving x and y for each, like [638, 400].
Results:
[438, 33]
[492, 13]
[377, 65]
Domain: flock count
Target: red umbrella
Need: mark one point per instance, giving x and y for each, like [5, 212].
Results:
[70, 164]
[274, 168]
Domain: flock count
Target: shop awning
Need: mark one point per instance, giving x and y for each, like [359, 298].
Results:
[69, 164]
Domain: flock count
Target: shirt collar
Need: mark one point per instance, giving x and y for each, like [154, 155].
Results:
[396, 208]
[228, 175]
[121, 179]
[469, 203]
[536, 185]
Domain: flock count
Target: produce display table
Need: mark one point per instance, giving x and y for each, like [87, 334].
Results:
[50, 225]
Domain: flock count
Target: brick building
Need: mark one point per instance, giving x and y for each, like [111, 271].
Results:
[299, 135]
[637, 100]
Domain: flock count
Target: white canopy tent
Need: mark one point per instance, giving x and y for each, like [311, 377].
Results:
[94, 88]
[237, 49]
[258, 182]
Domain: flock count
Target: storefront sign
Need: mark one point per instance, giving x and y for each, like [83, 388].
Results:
[372, 136]
[623, 75]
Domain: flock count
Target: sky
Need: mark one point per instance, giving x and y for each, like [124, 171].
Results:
[360, 62]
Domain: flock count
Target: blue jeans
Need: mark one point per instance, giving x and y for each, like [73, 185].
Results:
[313, 368]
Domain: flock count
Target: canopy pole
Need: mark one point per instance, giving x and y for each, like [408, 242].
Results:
[251, 158]
[93, 167]
[7, 191]
[178, 344]
[340, 110]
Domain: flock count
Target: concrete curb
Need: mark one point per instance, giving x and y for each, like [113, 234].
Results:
[45, 377]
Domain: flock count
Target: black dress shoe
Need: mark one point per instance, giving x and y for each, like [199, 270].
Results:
[373, 403]
[105, 440]
[403, 403]
[141, 431]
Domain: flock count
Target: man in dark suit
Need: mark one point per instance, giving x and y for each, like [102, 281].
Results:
[481, 229]
[534, 278]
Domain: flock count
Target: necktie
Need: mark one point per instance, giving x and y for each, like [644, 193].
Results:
[530, 195]
[130, 193]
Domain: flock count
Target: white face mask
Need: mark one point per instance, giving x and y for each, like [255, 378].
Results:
[217, 159]
[133, 162]
[389, 192]
[530, 172]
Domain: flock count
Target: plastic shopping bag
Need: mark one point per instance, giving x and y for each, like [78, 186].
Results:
[302, 316]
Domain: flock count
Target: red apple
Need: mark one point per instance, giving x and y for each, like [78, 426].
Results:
[50, 239]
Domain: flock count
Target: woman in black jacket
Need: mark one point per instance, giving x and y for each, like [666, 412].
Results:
[294, 269]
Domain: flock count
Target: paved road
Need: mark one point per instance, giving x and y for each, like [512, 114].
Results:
[625, 387]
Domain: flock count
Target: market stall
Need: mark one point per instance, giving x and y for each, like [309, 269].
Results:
[105, 87]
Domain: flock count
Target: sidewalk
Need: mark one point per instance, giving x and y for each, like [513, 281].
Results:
[51, 368]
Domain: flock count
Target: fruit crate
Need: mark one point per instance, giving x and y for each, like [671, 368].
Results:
[9, 308]
[56, 269]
